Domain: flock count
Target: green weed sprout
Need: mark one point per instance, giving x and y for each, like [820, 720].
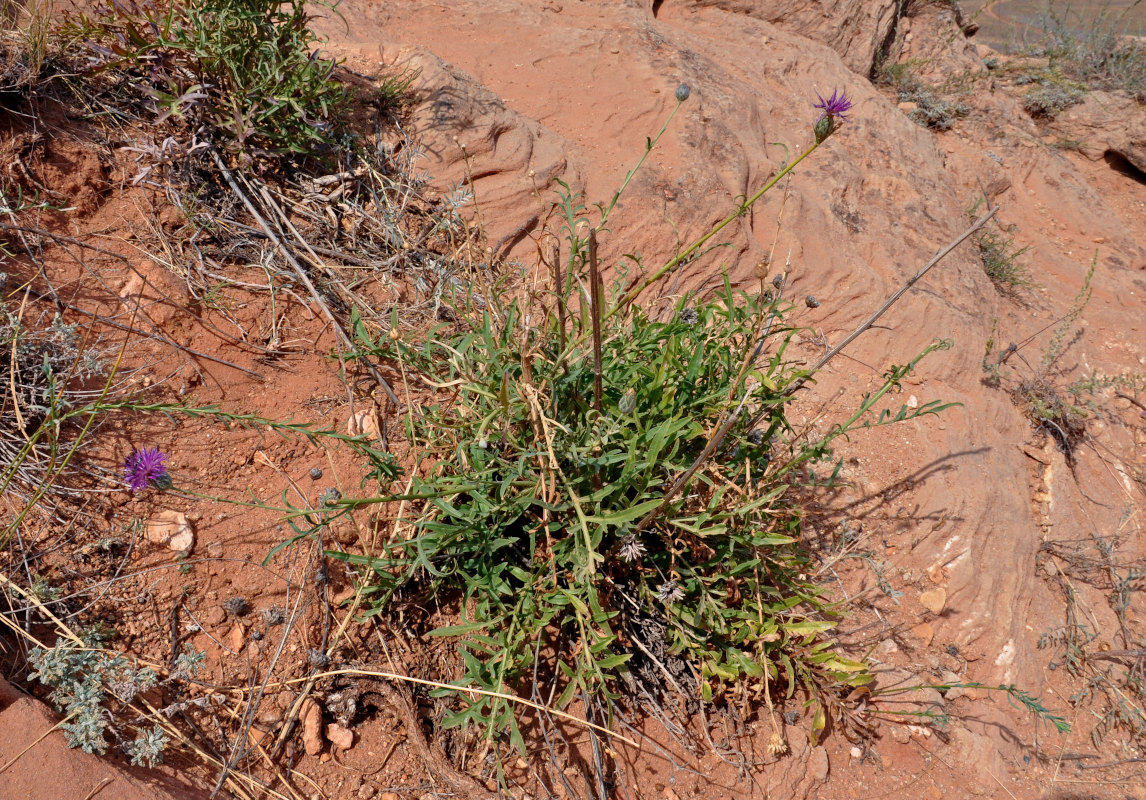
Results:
[91, 685]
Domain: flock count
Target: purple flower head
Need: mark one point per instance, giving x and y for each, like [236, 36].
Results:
[145, 467]
[838, 105]
[835, 110]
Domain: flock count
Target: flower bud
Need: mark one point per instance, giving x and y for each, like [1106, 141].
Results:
[824, 127]
[811, 302]
[682, 92]
[628, 401]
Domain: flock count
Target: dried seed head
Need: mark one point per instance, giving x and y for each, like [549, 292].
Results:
[777, 746]
[237, 606]
[669, 592]
[632, 548]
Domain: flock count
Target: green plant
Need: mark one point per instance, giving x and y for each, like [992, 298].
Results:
[1001, 255]
[93, 687]
[244, 70]
[582, 502]
[1048, 99]
[1025, 699]
[616, 489]
[1093, 46]
[1040, 392]
[930, 107]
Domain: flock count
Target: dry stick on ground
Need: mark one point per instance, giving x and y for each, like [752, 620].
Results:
[238, 750]
[722, 431]
[879, 312]
[1130, 399]
[300, 273]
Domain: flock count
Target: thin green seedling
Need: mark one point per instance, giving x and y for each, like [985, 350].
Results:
[1025, 700]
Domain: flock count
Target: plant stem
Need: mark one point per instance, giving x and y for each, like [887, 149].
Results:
[740, 210]
[595, 312]
[649, 145]
[879, 312]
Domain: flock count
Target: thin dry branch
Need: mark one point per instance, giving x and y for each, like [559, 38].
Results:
[300, 273]
[879, 312]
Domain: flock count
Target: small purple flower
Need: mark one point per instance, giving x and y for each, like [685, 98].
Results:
[145, 467]
[838, 105]
[835, 110]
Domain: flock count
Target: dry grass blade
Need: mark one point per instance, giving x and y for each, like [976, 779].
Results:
[394, 676]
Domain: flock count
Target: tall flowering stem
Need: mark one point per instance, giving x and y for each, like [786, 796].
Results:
[682, 94]
[834, 110]
[739, 211]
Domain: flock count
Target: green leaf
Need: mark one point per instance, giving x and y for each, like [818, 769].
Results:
[625, 515]
[461, 630]
[615, 660]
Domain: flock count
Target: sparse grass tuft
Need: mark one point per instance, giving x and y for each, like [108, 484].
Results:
[1048, 99]
[24, 43]
[1001, 256]
[48, 369]
[1050, 404]
[1066, 143]
[1094, 48]
[933, 108]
